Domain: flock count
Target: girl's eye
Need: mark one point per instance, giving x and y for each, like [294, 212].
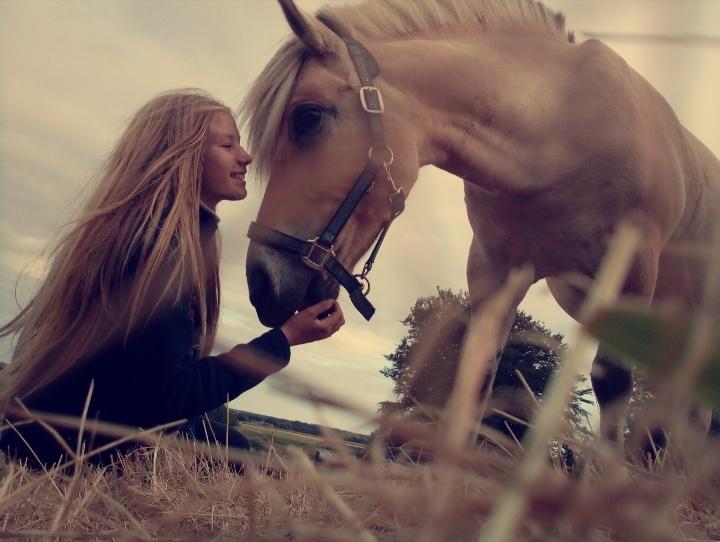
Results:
[306, 122]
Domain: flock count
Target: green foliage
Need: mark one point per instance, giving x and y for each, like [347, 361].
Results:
[657, 340]
[446, 311]
[532, 350]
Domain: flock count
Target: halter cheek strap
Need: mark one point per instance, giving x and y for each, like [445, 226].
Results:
[318, 253]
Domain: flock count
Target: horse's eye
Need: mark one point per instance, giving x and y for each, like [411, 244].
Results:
[306, 121]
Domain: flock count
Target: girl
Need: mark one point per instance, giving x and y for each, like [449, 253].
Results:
[127, 314]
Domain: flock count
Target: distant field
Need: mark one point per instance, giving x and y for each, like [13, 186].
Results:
[261, 436]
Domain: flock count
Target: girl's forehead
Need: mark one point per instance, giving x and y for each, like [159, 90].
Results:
[223, 124]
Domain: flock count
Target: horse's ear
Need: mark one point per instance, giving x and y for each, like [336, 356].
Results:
[315, 35]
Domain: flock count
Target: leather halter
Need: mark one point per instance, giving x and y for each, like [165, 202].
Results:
[318, 253]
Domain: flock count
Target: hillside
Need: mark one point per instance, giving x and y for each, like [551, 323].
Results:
[295, 426]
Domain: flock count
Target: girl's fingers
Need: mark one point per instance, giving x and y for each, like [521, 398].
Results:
[319, 308]
[332, 323]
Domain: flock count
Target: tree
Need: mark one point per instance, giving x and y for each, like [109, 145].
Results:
[436, 329]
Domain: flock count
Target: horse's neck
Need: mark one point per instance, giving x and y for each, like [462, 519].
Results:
[479, 103]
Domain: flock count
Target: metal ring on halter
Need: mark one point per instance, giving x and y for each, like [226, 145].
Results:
[390, 152]
[365, 283]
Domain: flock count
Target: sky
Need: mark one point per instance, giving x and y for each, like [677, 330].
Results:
[73, 73]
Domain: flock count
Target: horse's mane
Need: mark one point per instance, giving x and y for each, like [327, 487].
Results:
[379, 19]
[262, 109]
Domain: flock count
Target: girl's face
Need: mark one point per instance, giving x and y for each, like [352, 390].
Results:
[225, 162]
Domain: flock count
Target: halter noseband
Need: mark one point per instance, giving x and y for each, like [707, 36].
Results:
[318, 253]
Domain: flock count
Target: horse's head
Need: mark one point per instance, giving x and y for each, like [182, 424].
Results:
[312, 138]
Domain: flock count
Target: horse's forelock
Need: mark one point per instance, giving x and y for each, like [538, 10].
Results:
[262, 109]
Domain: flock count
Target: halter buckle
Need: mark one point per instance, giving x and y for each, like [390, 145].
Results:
[371, 99]
[318, 255]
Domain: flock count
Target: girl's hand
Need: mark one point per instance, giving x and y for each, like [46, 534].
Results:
[314, 323]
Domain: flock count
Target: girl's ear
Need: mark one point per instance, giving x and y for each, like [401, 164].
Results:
[315, 35]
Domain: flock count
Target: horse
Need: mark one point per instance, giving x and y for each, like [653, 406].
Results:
[556, 142]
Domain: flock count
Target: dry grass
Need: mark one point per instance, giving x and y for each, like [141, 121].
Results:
[169, 493]
[179, 491]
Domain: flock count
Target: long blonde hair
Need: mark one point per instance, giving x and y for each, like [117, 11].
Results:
[135, 247]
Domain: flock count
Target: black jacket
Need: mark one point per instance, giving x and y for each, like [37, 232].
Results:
[151, 380]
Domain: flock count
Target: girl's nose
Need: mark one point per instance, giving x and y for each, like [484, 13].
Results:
[243, 156]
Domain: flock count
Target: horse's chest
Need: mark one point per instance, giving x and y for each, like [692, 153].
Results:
[555, 233]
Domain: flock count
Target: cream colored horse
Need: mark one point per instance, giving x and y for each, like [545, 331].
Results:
[556, 143]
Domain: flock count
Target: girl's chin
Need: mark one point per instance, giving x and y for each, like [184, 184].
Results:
[238, 193]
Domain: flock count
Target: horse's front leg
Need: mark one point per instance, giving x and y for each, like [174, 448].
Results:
[487, 278]
[612, 381]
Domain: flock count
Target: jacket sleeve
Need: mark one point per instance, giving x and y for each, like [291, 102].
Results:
[174, 386]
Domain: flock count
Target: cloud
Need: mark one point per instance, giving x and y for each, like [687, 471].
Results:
[72, 73]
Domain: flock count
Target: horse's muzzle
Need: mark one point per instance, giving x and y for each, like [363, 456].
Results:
[276, 283]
